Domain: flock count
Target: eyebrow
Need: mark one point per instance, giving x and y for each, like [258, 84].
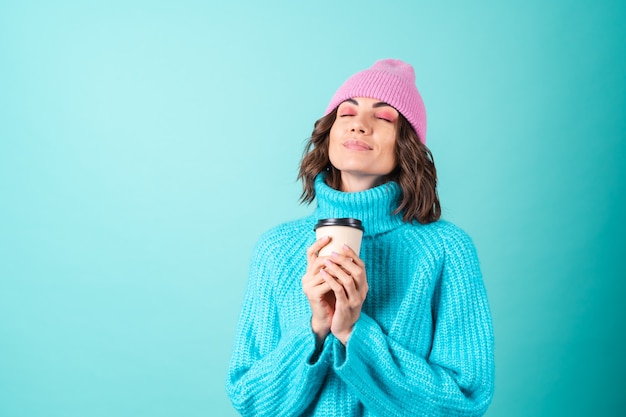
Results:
[375, 105]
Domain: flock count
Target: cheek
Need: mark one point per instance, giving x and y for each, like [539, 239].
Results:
[333, 141]
[332, 135]
[389, 153]
[390, 145]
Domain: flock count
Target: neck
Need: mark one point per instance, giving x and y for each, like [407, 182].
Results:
[355, 183]
[373, 206]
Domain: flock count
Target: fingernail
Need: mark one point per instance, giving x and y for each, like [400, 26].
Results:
[334, 254]
[346, 247]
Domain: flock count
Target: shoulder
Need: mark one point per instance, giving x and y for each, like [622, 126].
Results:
[441, 235]
[458, 250]
[288, 231]
[452, 234]
[279, 254]
[286, 236]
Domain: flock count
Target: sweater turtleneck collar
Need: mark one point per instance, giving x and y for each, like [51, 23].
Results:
[374, 206]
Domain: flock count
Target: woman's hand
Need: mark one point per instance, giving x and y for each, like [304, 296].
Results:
[318, 292]
[345, 275]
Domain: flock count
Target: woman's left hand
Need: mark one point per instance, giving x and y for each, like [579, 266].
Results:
[345, 274]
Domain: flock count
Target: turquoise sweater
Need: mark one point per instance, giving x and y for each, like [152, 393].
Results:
[423, 345]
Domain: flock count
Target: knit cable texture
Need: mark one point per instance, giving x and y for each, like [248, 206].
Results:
[423, 345]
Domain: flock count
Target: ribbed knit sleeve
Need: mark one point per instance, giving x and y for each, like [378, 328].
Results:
[275, 369]
[451, 377]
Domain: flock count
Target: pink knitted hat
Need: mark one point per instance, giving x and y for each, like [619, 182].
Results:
[391, 81]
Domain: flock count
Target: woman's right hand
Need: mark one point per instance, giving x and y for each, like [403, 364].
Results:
[318, 292]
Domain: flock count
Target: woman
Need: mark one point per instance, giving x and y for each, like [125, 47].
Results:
[401, 329]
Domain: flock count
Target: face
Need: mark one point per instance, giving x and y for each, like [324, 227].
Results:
[362, 142]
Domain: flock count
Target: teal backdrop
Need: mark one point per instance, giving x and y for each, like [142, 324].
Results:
[145, 146]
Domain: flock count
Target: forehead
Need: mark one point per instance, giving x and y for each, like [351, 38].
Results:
[367, 102]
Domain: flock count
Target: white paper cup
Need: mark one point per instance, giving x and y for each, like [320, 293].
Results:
[342, 231]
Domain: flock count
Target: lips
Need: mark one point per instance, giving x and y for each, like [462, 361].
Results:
[357, 145]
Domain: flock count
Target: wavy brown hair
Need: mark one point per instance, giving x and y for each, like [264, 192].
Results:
[415, 170]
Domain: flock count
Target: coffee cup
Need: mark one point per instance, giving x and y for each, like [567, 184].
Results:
[341, 231]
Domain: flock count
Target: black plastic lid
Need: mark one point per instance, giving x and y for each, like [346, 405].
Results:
[346, 221]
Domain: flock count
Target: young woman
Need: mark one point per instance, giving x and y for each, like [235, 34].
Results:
[401, 329]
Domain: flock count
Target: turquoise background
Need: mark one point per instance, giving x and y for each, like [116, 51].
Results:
[145, 146]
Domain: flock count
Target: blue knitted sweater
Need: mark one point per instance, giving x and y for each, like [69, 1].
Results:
[423, 345]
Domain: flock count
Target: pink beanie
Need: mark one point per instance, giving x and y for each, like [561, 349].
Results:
[391, 81]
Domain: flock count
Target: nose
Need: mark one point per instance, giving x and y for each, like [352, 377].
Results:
[359, 125]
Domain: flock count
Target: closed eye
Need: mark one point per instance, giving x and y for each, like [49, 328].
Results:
[386, 116]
